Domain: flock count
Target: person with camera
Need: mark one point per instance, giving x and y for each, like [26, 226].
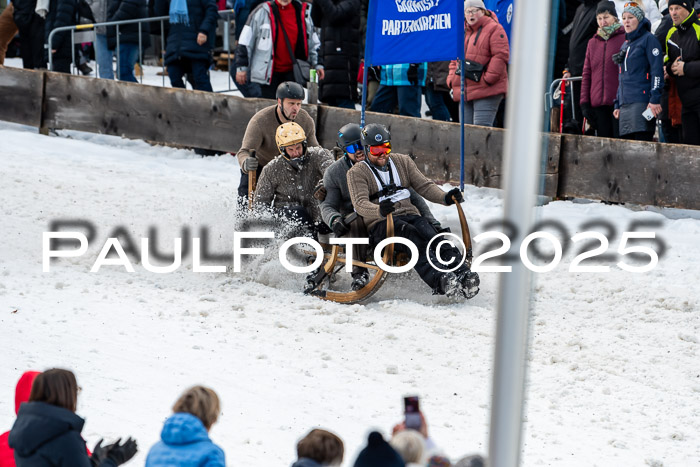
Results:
[380, 184]
[683, 64]
[336, 202]
[640, 62]
[485, 75]
[600, 75]
[47, 429]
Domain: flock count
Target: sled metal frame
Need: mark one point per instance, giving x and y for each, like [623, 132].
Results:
[335, 262]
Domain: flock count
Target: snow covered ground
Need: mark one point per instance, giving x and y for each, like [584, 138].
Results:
[614, 375]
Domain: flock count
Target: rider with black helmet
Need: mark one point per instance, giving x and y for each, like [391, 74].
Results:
[260, 133]
[379, 185]
[337, 203]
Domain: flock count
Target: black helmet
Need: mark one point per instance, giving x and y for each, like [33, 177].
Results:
[290, 90]
[375, 134]
[349, 134]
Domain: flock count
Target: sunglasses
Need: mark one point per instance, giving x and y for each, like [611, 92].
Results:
[353, 148]
[380, 149]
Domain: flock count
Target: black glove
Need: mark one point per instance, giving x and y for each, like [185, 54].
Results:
[412, 74]
[587, 112]
[340, 228]
[250, 164]
[386, 207]
[122, 453]
[320, 191]
[99, 453]
[457, 195]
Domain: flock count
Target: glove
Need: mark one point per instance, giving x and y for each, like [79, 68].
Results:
[99, 453]
[340, 228]
[320, 191]
[250, 164]
[412, 74]
[456, 193]
[587, 112]
[386, 207]
[122, 453]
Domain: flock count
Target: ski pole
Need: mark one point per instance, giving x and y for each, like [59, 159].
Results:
[252, 178]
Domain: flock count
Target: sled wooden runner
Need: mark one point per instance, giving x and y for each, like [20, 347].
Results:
[335, 262]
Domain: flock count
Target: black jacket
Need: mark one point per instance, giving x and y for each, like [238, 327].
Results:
[24, 11]
[61, 13]
[584, 27]
[182, 39]
[46, 435]
[686, 37]
[119, 10]
[340, 46]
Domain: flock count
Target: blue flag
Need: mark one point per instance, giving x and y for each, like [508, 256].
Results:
[411, 31]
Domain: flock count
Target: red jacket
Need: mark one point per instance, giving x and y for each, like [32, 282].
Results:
[600, 73]
[24, 388]
[486, 43]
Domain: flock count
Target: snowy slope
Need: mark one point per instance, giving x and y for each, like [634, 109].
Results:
[614, 376]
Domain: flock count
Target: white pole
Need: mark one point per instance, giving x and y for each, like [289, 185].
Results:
[522, 152]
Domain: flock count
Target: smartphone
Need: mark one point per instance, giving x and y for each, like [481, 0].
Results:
[648, 114]
[412, 412]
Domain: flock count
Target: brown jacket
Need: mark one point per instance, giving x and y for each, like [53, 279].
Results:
[282, 185]
[362, 184]
[260, 134]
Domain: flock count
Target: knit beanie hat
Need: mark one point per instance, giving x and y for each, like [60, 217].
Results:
[474, 4]
[637, 10]
[378, 453]
[683, 3]
[606, 6]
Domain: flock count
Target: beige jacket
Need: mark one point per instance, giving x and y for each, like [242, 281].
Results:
[362, 184]
[260, 134]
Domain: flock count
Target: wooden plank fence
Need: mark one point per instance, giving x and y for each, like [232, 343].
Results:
[575, 166]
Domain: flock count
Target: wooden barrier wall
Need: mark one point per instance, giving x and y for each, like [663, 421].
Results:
[575, 166]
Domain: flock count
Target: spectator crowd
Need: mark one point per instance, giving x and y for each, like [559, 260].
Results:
[634, 63]
[47, 432]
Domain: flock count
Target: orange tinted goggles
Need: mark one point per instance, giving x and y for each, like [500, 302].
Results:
[380, 149]
[633, 4]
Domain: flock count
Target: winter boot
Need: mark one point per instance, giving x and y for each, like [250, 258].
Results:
[449, 286]
[470, 283]
[359, 279]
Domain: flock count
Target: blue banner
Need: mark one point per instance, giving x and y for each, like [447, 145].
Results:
[412, 31]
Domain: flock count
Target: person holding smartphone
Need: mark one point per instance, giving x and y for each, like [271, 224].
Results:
[640, 61]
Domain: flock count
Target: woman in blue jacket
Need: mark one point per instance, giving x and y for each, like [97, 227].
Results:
[641, 77]
[185, 437]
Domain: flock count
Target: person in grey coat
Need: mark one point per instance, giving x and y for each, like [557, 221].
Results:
[287, 182]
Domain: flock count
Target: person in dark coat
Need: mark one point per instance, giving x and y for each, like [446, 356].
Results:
[641, 77]
[583, 28]
[670, 131]
[190, 40]
[683, 64]
[119, 10]
[61, 13]
[31, 33]
[47, 429]
[600, 74]
[340, 50]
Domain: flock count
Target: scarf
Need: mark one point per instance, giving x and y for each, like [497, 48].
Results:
[178, 12]
[607, 31]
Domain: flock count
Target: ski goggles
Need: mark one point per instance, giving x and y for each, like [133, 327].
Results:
[632, 4]
[380, 149]
[353, 148]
